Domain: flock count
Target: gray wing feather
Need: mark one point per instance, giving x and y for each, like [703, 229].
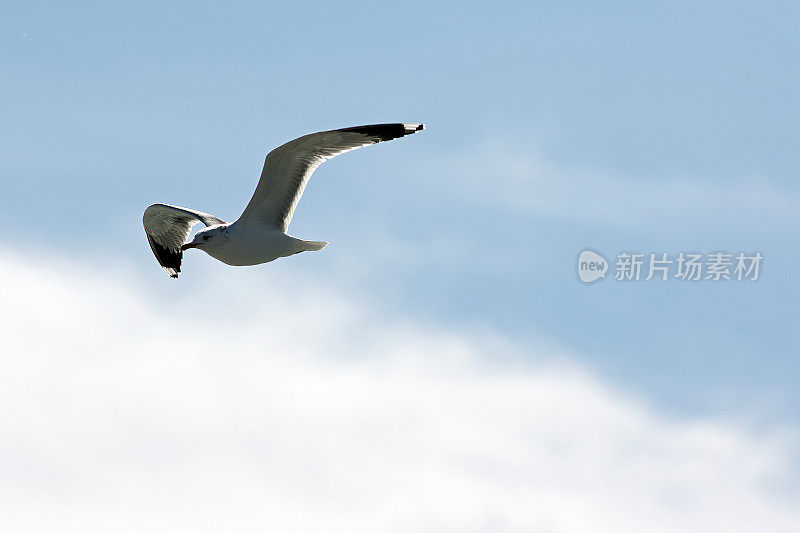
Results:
[167, 227]
[288, 168]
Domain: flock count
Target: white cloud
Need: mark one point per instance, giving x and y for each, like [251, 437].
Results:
[530, 184]
[274, 411]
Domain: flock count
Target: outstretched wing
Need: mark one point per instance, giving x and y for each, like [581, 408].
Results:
[288, 168]
[167, 227]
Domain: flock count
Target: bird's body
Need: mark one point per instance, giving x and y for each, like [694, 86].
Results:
[243, 245]
[259, 235]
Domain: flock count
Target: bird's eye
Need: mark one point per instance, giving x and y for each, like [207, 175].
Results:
[205, 237]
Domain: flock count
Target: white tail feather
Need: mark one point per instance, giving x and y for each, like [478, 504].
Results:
[313, 246]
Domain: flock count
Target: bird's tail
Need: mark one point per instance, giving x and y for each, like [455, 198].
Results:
[313, 246]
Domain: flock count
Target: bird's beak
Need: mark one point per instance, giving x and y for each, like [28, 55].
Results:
[189, 245]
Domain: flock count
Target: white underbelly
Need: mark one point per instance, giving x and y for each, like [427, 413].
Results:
[254, 248]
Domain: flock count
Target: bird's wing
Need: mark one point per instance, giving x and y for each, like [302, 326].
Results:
[288, 167]
[167, 227]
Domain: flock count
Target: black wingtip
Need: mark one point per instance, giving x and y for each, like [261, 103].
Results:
[169, 259]
[386, 132]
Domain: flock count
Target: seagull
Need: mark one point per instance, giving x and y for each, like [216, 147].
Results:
[259, 235]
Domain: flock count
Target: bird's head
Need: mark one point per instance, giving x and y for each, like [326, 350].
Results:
[207, 238]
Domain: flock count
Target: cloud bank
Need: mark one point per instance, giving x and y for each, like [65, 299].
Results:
[302, 410]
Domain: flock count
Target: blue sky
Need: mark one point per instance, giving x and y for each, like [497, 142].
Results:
[114, 108]
[551, 127]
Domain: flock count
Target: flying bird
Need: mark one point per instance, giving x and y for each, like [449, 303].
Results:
[259, 235]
